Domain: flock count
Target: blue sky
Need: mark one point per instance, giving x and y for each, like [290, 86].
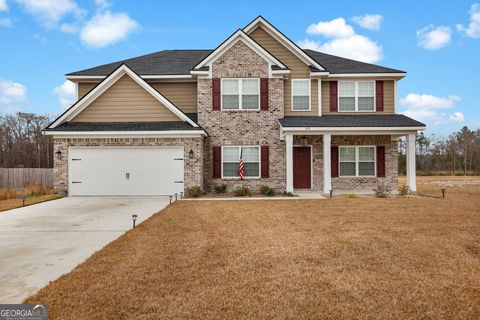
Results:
[436, 42]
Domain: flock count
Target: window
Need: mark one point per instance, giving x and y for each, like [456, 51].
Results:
[357, 161]
[241, 94]
[356, 96]
[231, 158]
[301, 95]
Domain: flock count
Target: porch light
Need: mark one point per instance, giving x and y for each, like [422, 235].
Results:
[303, 141]
[134, 218]
[190, 154]
[58, 155]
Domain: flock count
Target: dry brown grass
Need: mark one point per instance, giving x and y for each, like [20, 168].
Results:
[368, 258]
[17, 202]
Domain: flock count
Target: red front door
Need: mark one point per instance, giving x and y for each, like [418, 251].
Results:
[302, 168]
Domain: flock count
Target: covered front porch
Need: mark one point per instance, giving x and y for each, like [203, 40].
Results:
[346, 158]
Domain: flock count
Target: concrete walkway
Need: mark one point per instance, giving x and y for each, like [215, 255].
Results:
[41, 242]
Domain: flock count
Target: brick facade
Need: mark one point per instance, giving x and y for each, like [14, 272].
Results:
[369, 183]
[243, 127]
[192, 170]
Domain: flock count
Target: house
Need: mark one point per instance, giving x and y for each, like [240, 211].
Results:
[299, 119]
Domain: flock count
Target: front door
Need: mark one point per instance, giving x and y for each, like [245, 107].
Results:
[302, 168]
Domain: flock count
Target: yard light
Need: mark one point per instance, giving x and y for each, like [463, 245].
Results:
[170, 199]
[331, 193]
[176, 195]
[58, 155]
[23, 197]
[134, 218]
[443, 192]
[181, 195]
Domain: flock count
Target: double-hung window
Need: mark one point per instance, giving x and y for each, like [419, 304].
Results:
[356, 96]
[241, 94]
[357, 161]
[300, 94]
[231, 159]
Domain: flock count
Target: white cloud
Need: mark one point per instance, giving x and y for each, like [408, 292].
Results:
[69, 27]
[103, 4]
[431, 109]
[6, 22]
[3, 5]
[369, 21]
[434, 38]
[107, 28]
[336, 28]
[66, 94]
[51, 12]
[473, 29]
[345, 43]
[11, 92]
[414, 100]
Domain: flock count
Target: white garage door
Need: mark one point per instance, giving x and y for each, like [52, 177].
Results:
[125, 171]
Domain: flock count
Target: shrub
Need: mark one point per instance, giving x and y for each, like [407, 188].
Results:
[382, 190]
[267, 191]
[194, 191]
[405, 190]
[242, 191]
[220, 188]
[352, 195]
[287, 194]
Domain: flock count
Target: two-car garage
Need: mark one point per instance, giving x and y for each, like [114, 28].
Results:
[103, 171]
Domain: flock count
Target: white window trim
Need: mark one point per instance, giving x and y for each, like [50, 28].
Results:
[357, 161]
[245, 178]
[357, 96]
[240, 93]
[301, 95]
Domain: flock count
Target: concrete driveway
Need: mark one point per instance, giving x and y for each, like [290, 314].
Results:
[41, 242]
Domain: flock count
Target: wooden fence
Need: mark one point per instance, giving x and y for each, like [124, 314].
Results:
[18, 177]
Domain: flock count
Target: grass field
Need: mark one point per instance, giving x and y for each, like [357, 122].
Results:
[364, 258]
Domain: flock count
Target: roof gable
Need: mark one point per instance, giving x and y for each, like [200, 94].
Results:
[239, 35]
[107, 83]
[281, 38]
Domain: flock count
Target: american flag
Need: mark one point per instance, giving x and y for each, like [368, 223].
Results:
[240, 165]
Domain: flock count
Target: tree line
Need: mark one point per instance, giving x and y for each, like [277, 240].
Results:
[457, 154]
[22, 144]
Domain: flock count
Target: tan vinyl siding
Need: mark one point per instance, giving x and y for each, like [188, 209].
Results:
[298, 70]
[85, 87]
[388, 98]
[125, 101]
[181, 94]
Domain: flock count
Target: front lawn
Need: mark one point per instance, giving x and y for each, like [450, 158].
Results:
[17, 202]
[364, 258]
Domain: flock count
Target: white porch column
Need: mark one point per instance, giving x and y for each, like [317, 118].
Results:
[411, 167]
[289, 161]
[327, 167]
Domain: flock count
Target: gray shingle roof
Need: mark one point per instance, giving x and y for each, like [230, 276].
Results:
[173, 62]
[360, 120]
[124, 126]
[166, 62]
[335, 64]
